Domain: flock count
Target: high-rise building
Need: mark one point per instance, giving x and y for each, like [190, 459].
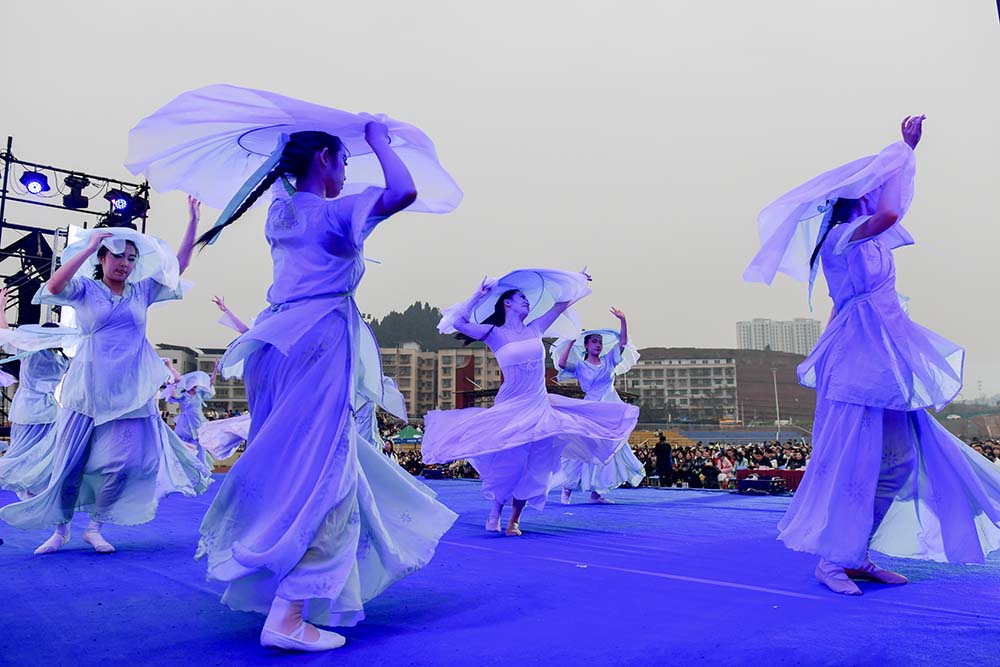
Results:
[709, 385]
[434, 380]
[687, 383]
[415, 373]
[465, 369]
[796, 336]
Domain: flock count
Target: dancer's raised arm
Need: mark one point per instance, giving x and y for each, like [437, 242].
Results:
[61, 277]
[230, 317]
[564, 357]
[400, 191]
[887, 212]
[3, 309]
[464, 324]
[623, 331]
[552, 314]
[187, 243]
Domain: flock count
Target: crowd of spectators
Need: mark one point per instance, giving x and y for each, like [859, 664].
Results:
[714, 465]
[701, 465]
[990, 448]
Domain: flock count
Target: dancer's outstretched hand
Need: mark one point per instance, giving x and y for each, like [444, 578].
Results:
[194, 209]
[220, 302]
[617, 313]
[913, 129]
[485, 286]
[586, 275]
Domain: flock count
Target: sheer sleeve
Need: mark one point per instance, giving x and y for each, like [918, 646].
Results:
[74, 294]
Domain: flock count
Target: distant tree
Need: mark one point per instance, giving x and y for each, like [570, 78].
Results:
[417, 324]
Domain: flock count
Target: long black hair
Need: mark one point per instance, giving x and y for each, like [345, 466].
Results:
[844, 211]
[496, 319]
[296, 158]
[102, 252]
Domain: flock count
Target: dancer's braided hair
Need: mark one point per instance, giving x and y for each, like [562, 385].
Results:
[844, 210]
[295, 161]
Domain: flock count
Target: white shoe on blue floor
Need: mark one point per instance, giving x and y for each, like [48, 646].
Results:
[56, 542]
[296, 641]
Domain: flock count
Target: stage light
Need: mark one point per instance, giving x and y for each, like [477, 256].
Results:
[75, 198]
[35, 182]
[119, 200]
[124, 207]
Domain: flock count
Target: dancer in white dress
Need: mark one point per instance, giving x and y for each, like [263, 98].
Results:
[115, 456]
[516, 445]
[594, 359]
[191, 393]
[27, 465]
[310, 522]
[884, 474]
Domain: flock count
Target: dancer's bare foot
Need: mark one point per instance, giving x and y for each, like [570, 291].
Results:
[513, 529]
[835, 578]
[566, 495]
[869, 571]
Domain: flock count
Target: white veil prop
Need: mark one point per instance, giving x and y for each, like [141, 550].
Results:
[156, 259]
[790, 227]
[195, 380]
[35, 337]
[221, 140]
[609, 337]
[542, 287]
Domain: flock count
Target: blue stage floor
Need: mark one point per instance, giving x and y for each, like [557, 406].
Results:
[663, 577]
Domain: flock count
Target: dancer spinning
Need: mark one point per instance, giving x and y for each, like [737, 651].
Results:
[191, 392]
[516, 444]
[27, 465]
[114, 455]
[884, 474]
[308, 525]
[594, 363]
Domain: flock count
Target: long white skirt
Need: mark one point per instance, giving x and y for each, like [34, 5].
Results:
[117, 472]
[623, 467]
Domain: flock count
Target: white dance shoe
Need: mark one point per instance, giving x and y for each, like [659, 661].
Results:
[296, 641]
[869, 571]
[835, 578]
[53, 544]
[96, 540]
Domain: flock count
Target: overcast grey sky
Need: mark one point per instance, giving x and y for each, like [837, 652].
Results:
[638, 138]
